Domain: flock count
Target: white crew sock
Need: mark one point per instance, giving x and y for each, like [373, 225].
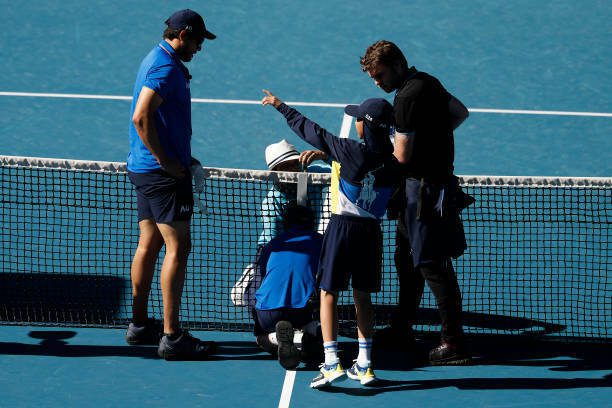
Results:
[365, 352]
[331, 352]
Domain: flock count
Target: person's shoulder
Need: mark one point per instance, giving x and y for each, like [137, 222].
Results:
[412, 88]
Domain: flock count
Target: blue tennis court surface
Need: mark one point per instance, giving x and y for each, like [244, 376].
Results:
[539, 57]
[58, 367]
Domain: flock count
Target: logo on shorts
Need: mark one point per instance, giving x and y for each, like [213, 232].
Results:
[185, 209]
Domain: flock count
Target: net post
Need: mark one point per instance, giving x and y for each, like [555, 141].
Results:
[302, 189]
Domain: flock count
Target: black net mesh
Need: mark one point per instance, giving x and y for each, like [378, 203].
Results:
[537, 261]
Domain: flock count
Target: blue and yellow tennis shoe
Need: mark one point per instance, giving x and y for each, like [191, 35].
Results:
[365, 375]
[328, 374]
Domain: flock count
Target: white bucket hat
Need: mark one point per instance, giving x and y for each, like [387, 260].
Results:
[280, 152]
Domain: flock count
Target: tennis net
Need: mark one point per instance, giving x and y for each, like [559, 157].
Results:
[537, 261]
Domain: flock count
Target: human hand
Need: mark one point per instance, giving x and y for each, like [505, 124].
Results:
[308, 156]
[198, 177]
[270, 99]
[174, 168]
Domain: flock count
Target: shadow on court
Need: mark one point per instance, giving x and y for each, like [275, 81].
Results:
[493, 350]
[430, 317]
[384, 386]
[56, 344]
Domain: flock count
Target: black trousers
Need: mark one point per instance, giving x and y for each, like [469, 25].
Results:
[441, 279]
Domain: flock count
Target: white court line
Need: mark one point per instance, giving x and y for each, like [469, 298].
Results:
[285, 398]
[315, 104]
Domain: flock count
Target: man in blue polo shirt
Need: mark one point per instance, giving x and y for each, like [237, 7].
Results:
[159, 167]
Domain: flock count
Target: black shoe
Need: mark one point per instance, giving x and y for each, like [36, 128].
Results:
[288, 354]
[185, 347]
[449, 354]
[147, 334]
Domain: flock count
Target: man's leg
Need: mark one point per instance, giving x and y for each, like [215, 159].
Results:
[143, 330]
[442, 281]
[178, 245]
[143, 267]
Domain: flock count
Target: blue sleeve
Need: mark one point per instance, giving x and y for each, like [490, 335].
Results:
[160, 79]
[312, 133]
[271, 216]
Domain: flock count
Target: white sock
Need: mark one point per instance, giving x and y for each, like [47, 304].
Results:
[365, 352]
[331, 352]
[272, 338]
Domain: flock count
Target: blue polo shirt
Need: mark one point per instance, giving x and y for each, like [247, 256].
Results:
[289, 264]
[163, 72]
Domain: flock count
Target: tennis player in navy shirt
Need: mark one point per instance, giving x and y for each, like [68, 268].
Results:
[159, 168]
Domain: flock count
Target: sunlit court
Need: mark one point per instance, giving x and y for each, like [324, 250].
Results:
[534, 153]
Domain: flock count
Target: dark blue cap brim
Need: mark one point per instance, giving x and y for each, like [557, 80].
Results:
[352, 110]
[209, 36]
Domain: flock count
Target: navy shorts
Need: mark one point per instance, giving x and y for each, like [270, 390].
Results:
[162, 197]
[265, 320]
[352, 248]
[433, 228]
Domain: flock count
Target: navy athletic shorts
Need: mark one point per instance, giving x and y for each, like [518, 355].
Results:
[162, 197]
[352, 248]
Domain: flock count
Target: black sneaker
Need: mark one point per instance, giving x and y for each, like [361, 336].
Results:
[147, 334]
[288, 354]
[185, 347]
[449, 354]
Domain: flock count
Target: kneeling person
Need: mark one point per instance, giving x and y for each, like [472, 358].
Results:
[288, 264]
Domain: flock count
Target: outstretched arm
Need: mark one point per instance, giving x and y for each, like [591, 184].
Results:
[308, 130]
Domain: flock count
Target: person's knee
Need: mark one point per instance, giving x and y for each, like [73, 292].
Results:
[179, 249]
[149, 244]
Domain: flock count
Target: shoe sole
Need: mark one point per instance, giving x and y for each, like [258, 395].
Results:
[288, 354]
[326, 382]
[363, 381]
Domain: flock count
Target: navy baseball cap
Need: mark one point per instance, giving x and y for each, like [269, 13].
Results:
[191, 21]
[376, 112]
